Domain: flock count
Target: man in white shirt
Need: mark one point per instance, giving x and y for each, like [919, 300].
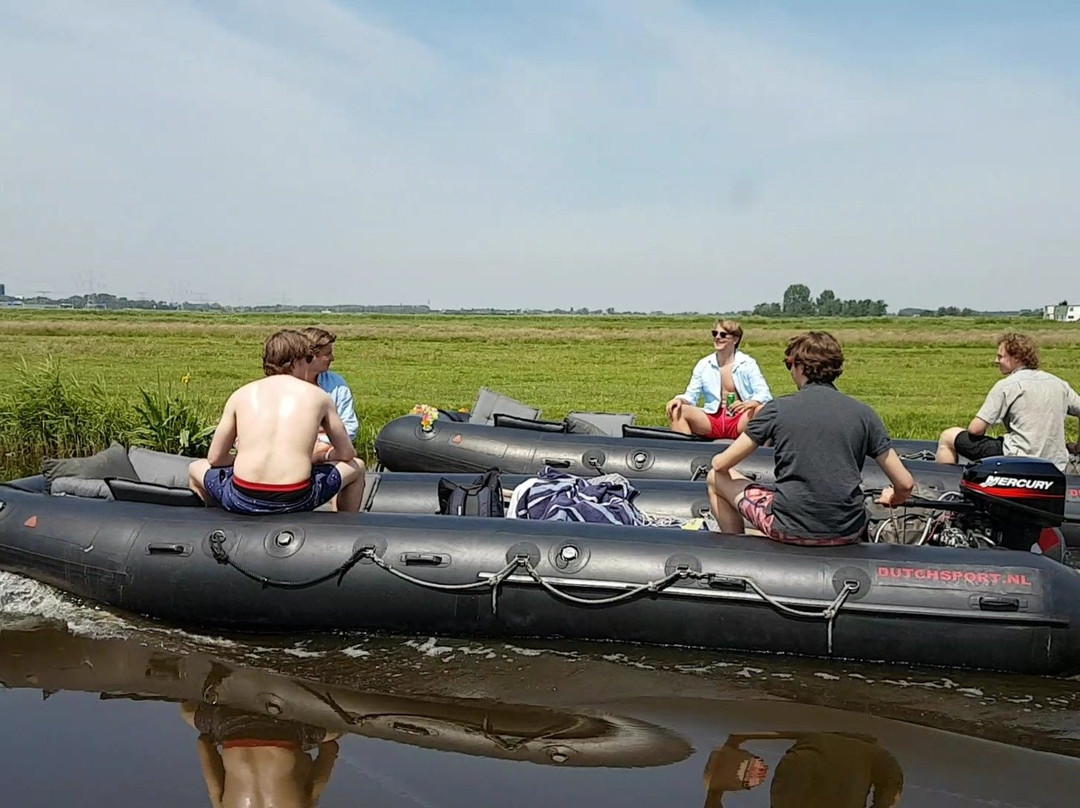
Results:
[731, 384]
[1031, 403]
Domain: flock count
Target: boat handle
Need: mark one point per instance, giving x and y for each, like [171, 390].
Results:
[724, 582]
[425, 559]
[992, 604]
[168, 549]
[556, 464]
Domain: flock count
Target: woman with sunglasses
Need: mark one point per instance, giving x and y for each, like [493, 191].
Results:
[731, 384]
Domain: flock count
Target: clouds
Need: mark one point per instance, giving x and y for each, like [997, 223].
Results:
[639, 155]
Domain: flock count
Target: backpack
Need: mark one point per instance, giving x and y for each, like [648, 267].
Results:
[480, 497]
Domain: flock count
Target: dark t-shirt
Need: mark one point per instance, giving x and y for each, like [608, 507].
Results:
[821, 438]
[836, 771]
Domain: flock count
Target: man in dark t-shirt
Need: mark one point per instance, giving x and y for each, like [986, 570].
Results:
[821, 438]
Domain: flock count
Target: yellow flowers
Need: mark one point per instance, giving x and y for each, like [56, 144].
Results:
[428, 415]
[185, 379]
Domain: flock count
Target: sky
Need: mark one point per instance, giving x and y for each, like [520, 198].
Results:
[645, 155]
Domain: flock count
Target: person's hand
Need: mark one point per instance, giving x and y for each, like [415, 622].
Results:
[740, 407]
[756, 772]
[673, 408]
[886, 497]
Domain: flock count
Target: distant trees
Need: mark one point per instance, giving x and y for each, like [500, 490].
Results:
[799, 303]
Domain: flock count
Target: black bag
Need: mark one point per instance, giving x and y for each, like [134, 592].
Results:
[480, 497]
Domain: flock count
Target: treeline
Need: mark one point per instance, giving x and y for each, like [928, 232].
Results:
[799, 303]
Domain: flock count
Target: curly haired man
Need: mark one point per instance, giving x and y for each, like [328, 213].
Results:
[1031, 403]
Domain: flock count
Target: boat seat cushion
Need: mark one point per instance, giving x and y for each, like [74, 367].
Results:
[152, 493]
[78, 487]
[489, 402]
[111, 462]
[598, 423]
[159, 467]
[512, 421]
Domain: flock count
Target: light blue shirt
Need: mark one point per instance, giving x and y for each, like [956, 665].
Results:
[334, 384]
[706, 381]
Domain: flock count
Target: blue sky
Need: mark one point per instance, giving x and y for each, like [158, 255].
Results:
[639, 154]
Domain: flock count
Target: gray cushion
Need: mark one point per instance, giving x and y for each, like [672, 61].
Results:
[129, 491]
[111, 462]
[78, 487]
[159, 467]
[489, 402]
[598, 423]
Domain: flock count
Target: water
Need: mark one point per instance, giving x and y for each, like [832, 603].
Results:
[390, 721]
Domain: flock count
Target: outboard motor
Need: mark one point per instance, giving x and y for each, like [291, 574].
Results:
[1019, 502]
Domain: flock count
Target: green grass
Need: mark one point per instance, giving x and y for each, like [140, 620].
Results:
[921, 374]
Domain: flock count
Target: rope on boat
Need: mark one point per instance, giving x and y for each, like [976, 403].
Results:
[828, 614]
[221, 556]
[494, 581]
[650, 586]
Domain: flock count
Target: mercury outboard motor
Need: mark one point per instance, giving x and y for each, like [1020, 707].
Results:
[1018, 501]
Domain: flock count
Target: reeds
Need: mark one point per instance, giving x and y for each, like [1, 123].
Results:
[48, 412]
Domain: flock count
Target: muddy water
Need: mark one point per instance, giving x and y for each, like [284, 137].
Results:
[140, 713]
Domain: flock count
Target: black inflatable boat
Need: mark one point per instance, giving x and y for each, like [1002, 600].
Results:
[431, 574]
[522, 446]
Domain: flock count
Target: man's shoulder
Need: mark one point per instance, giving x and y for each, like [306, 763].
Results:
[826, 395]
[744, 359]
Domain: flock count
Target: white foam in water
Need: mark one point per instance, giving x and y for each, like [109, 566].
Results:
[354, 653]
[24, 600]
[430, 648]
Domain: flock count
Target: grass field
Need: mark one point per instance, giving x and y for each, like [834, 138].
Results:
[921, 374]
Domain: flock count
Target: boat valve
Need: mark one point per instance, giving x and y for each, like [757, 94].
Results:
[567, 556]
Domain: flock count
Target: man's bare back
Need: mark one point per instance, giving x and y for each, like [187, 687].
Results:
[276, 420]
[272, 423]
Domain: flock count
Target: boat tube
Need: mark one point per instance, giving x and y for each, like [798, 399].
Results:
[519, 446]
[432, 574]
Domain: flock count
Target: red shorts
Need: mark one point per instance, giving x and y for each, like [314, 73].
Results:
[756, 508]
[724, 425]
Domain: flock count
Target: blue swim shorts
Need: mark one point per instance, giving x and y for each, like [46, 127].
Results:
[239, 496]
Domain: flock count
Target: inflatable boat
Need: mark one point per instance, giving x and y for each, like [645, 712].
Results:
[520, 446]
[516, 445]
[150, 551]
[264, 704]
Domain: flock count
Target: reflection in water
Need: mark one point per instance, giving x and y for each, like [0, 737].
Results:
[263, 761]
[240, 709]
[820, 770]
[572, 708]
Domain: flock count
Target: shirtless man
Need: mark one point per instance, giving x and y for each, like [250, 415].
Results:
[726, 371]
[273, 423]
[263, 761]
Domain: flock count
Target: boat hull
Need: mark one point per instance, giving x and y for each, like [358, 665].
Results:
[993, 609]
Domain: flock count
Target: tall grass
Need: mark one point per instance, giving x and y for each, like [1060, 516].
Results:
[172, 420]
[46, 411]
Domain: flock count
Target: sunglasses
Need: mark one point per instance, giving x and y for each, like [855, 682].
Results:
[722, 334]
[788, 363]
